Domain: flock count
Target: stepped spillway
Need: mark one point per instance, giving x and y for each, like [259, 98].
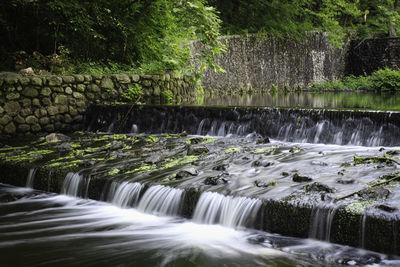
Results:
[228, 173]
[342, 127]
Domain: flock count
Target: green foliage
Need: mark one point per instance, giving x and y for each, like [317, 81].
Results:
[284, 18]
[133, 94]
[199, 92]
[105, 35]
[167, 96]
[385, 80]
[380, 80]
[274, 89]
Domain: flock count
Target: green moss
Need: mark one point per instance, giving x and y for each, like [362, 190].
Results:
[4, 149]
[120, 136]
[295, 150]
[272, 183]
[263, 150]
[75, 145]
[64, 165]
[42, 152]
[101, 138]
[232, 149]
[25, 157]
[151, 139]
[114, 171]
[200, 140]
[358, 207]
[143, 168]
[180, 161]
[290, 198]
[20, 159]
[167, 135]
[385, 158]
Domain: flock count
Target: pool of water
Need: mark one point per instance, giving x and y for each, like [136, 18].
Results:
[42, 229]
[351, 100]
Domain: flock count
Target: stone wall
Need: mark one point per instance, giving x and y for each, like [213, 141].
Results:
[35, 104]
[366, 56]
[251, 62]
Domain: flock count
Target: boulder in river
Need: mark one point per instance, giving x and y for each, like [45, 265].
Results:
[301, 178]
[197, 150]
[57, 137]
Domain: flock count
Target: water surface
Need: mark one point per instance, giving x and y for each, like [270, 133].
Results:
[350, 100]
[42, 229]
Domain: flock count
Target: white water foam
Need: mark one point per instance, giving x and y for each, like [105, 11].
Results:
[233, 212]
[161, 200]
[75, 185]
[321, 222]
[125, 194]
[31, 177]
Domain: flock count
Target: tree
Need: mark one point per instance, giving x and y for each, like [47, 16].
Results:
[341, 18]
[151, 34]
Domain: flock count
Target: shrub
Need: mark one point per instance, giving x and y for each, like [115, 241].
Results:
[385, 80]
[167, 96]
[380, 80]
[134, 93]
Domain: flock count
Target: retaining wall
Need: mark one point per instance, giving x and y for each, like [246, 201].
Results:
[255, 63]
[366, 56]
[35, 104]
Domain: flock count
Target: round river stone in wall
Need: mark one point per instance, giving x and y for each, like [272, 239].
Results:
[24, 128]
[68, 90]
[45, 91]
[36, 128]
[12, 108]
[54, 81]
[107, 83]
[61, 100]
[12, 96]
[4, 120]
[30, 92]
[31, 120]
[10, 128]
[36, 81]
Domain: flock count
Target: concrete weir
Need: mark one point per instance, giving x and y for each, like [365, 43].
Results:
[217, 165]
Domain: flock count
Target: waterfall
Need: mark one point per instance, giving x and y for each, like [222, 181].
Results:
[362, 235]
[234, 212]
[75, 185]
[125, 194]
[30, 178]
[134, 128]
[200, 128]
[321, 222]
[161, 200]
[341, 127]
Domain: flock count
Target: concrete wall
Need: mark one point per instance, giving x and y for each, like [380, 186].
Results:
[366, 56]
[35, 104]
[254, 63]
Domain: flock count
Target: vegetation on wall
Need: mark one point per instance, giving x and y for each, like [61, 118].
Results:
[105, 35]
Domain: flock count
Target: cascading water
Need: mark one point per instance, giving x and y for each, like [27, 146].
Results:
[125, 194]
[75, 185]
[342, 127]
[30, 178]
[161, 200]
[321, 222]
[234, 212]
[362, 234]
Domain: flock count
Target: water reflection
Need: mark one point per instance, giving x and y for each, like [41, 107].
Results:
[361, 100]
